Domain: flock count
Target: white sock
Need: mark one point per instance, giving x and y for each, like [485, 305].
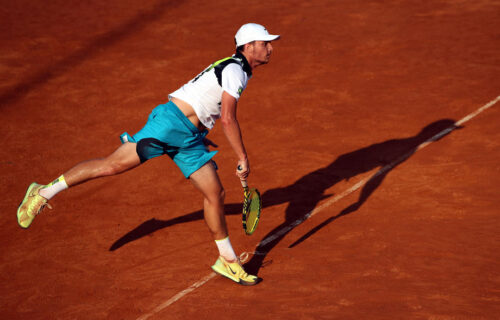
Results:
[225, 249]
[54, 188]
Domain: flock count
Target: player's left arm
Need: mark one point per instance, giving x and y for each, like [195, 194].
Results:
[232, 130]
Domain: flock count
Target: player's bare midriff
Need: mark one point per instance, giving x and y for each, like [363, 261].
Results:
[188, 111]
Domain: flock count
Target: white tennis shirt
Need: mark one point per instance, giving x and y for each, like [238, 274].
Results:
[204, 92]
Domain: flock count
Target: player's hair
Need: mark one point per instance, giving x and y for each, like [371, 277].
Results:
[242, 47]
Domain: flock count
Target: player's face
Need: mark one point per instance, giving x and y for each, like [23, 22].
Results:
[261, 51]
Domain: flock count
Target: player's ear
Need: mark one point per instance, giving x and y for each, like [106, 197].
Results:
[249, 46]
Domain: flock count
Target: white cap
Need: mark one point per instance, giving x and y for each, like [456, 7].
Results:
[253, 32]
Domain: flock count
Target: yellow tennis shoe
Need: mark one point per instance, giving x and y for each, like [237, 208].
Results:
[33, 203]
[234, 271]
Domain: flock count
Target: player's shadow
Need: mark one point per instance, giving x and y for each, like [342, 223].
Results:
[305, 194]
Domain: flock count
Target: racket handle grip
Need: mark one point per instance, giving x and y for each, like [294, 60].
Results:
[244, 183]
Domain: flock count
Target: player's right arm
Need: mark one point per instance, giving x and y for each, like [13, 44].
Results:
[231, 129]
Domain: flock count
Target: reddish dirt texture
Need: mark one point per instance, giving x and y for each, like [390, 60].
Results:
[351, 86]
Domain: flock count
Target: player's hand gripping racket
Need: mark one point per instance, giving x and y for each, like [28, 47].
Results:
[252, 206]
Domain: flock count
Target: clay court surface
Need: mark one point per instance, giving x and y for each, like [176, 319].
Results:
[332, 127]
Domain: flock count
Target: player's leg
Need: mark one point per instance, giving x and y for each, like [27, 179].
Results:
[207, 181]
[122, 159]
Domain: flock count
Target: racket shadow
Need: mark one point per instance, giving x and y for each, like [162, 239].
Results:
[305, 193]
[152, 225]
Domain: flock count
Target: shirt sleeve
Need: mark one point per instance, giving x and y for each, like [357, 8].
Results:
[234, 80]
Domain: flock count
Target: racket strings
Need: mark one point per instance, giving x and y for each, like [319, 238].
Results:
[253, 208]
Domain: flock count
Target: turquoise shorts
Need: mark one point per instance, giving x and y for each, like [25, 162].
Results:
[168, 131]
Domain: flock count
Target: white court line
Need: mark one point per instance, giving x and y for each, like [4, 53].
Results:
[336, 198]
[177, 296]
[376, 174]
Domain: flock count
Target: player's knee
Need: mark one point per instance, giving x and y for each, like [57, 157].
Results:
[107, 170]
[217, 197]
[111, 168]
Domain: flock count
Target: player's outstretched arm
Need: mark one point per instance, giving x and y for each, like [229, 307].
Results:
[232, 131]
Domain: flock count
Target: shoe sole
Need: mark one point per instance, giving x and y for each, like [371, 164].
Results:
[30, 188]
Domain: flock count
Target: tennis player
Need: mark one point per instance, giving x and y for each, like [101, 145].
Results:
[178, 129]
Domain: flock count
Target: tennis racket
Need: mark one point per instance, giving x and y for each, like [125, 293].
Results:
[252, 206]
